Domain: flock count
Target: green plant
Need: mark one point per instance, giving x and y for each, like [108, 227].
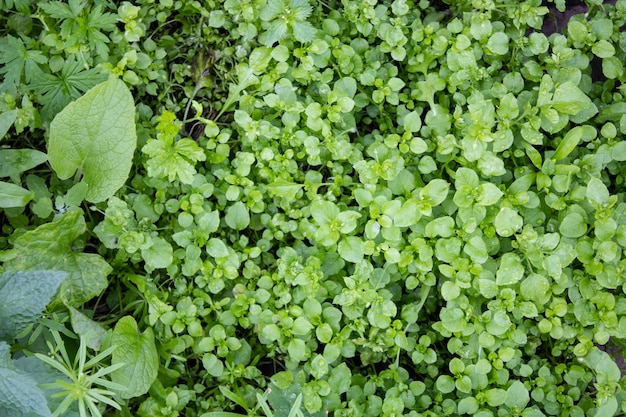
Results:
[23, 297]
[85, 383]
[384, 208]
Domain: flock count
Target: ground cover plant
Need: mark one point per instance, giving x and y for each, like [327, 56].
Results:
[298, 207]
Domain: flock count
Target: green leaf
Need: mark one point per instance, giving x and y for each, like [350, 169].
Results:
[12, 195]
[19, 394]
[216, 248]
[50, 247]
[508, 222]
[7, 119]
[408, 214]
[468, 405]
[284, 189]
[569, 99]
[603, 49]
[412, 122]
[573, 225]
[597, 192]
[568, 143]
[510, 270]
[159, 254]
[489, 194]
[138, 353]
[536, 288]
[324, 212]
[84, 326]
[350, 248]
[499, 323]
[237, 216]
[517, 395]
[15, 161]
[96, 136]
[23, 297]
[498, 43]
[18, 60]
[435, 192]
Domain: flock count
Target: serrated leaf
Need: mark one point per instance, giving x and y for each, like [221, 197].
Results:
[19, 394]
[138, 352]
[49, 247]
[96, 135]
[23, 297]
[304, 31]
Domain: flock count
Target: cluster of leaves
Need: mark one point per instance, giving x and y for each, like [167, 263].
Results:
[371, 208]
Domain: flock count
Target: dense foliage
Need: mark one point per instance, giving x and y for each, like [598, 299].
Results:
[368, 208]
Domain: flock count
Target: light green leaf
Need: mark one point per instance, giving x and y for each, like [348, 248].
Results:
[324, 212]
[408, 214]
[15, 161]
[96, 136]
[137, 351]
[84, 326]
[435, 192]
[23, 297]
[213, 365]
[517, 395]
[159, 254]
[603, 49]
[350, 248]
[50, 246]
[536, 288]
[489, 194]
[237, 216]
[597, 192]
[510, 270]
[498, 43]
[7, 119]
[284, 189]
[569, 99]
[573, 225]
[216, 248]
[568, 143]
[468, 405]
[412, 122]
[508, 221]
[12, 195]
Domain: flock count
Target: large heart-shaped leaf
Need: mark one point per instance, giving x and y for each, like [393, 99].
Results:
[96, 136]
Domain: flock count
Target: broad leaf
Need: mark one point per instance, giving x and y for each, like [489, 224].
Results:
[96, 136]
[50, 246]
[23, 297]
[12, 195]
[15, 161]
[237, 216]
[19, 394]
[138, 352]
